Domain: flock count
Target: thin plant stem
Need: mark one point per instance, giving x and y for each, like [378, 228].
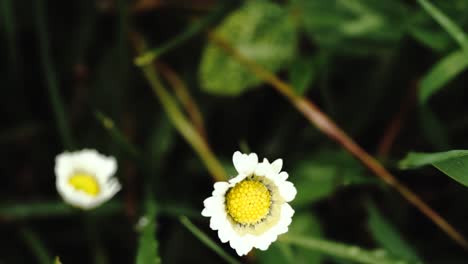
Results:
[179, 120]
[182, 93]
[51, 77]
[395, 125]
[35, 244]
[329, 128]
[339, 250]
[207, 241]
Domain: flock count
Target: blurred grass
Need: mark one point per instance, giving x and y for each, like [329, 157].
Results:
[52, 82]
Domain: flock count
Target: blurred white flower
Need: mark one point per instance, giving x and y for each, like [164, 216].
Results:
[85, 178]
[252, 209]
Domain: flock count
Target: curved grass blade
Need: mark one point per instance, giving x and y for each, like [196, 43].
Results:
[442, 72]
[451, 27]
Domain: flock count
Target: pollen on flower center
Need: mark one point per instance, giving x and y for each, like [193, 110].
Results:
[248, 202]
[84, 182]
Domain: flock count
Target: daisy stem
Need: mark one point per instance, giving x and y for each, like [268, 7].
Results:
[179, 120]
[51, 77]
[207, 241]
[331, 129]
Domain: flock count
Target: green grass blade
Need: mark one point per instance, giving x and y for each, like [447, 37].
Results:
[339, 250]
[388, 236]
[7, 13]
[442, 72]
[50, 74]
[207, 241]
[192, 30]
[36, 246]
[148, 244]
[453, 29]
[117, 135]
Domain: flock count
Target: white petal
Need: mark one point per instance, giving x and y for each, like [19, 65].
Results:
[283, 176]
[277, 165]
[245, 164]
[287, 190]
[242, 245]
[225, 233]
[237, 179]
[220, 188]
[265, 241]
[216, 223]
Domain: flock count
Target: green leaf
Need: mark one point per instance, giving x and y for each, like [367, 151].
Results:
[419, 159]
[302, 74]
[454, 163]
[388, 237]
[260, 31]
[318, 176]
[441, 73]
[57, 260]
[303, 224]
[355, 26]
[148, 245]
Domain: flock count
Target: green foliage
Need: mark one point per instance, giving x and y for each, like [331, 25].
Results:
[261, 31]
[388, 236]
[319, 175]
[453, 163]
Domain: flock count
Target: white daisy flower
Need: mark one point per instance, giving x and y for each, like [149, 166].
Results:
[252, 209]
[85, 179]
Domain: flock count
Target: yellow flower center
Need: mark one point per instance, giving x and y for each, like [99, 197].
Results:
[248, 202]
[84, 182]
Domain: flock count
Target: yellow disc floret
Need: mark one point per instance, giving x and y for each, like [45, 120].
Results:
[248, 202]
[84, 182]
